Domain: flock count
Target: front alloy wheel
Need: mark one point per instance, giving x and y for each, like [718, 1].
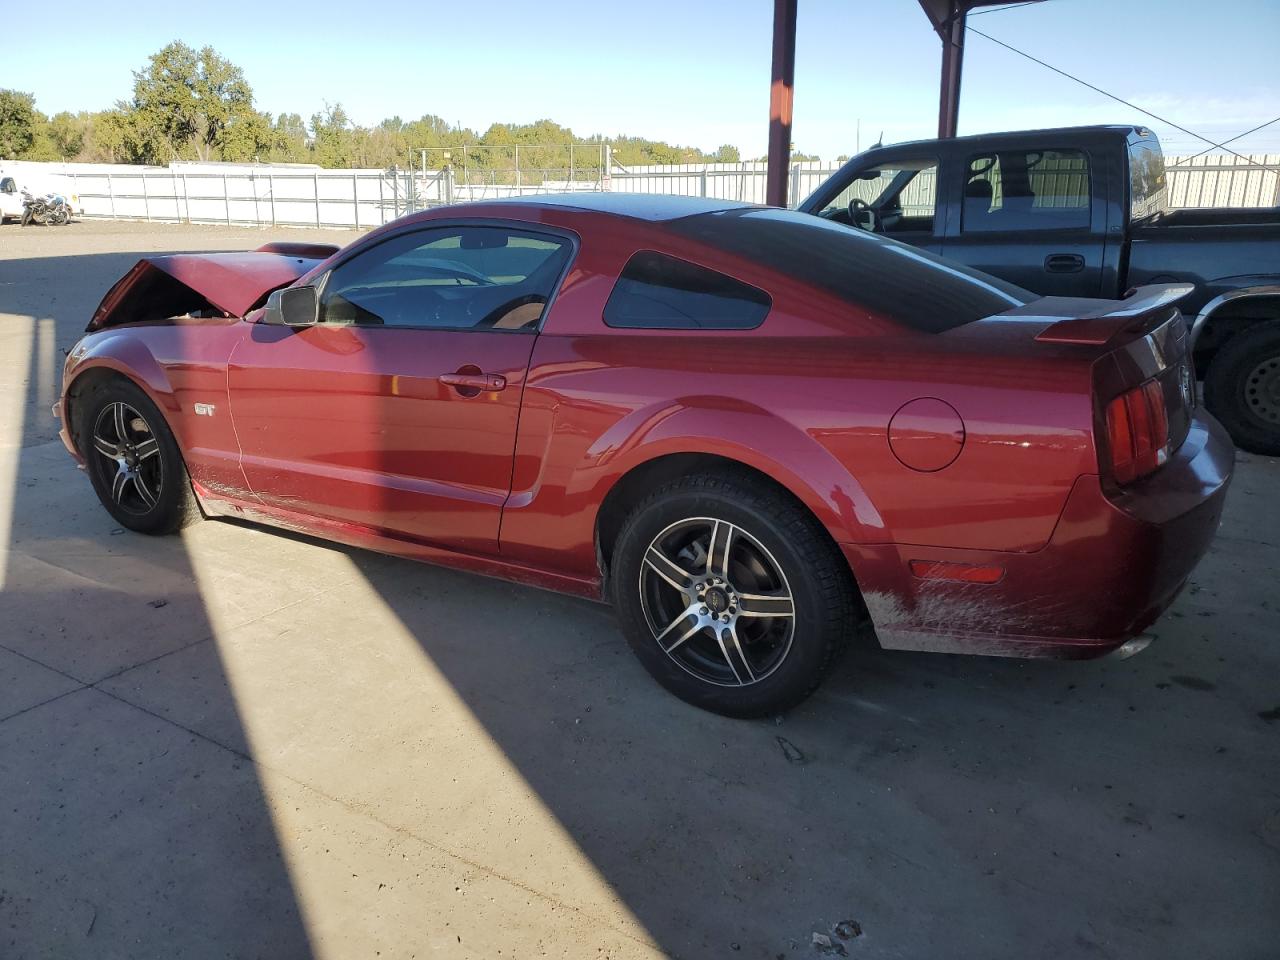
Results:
[125, 441]
[132, 457]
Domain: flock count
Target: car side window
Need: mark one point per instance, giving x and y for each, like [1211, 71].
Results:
[1026, 190]
[448, 278]
[659, 292]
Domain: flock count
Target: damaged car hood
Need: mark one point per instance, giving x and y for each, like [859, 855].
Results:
[232, 284]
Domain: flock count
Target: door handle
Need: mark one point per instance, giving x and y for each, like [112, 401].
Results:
[1063, 263]
[473, 384]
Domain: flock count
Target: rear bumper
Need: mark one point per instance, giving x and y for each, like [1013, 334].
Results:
[1111, 567]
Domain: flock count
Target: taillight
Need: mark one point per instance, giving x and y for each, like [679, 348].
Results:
[1138, 432]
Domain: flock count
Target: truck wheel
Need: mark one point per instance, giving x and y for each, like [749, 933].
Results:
[133, 460]
[731, 594]
[1242, 388]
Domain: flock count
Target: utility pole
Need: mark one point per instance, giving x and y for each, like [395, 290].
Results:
[781, 97]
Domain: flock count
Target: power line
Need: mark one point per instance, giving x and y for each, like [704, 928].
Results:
[1238, 136]
[1015, 6]
[1132, 106]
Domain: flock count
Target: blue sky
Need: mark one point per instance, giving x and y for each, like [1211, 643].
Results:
[694, 72]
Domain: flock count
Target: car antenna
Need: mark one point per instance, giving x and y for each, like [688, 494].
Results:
[879, 141]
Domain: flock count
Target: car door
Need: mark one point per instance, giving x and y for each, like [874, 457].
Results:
[397, 410]
[1034, 217]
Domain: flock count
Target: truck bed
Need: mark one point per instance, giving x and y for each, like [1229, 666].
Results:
[1218, 217]
[1210, 248]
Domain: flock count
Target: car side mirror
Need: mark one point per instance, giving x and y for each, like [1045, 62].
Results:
[292, 307]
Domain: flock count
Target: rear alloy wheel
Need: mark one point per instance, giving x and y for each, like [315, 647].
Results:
[731, 595]
[716, 601]
[133, 460]
[1242, 388]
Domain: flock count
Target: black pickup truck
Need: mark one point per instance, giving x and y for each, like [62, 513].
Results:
[1082, 212]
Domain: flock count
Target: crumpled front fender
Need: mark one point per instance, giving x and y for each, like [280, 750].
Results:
[157, 288]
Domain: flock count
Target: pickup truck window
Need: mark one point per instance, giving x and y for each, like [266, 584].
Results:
[897, 197]
[1026, 190]
[658, 292]
[1146, 180]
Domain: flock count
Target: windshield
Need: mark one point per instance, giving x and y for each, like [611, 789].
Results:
[913, 288]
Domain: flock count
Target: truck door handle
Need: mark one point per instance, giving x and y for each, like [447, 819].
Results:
[470, 384]
[1063, 263]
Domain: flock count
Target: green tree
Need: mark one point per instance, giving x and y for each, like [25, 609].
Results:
[188, 102]
[17, 123]
[68, 133]
[247, 137]
[109, 137]
[289, 139]
[727, 153]
[332, 137]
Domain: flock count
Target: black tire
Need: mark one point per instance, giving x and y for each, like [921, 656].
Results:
[1242, 387]
[772, 529]
[157, 498]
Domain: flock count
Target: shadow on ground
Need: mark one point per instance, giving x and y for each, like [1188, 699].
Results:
[125, 834]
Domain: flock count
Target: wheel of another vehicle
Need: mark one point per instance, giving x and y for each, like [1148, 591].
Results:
[133, 460]
[26, 218]
[59, 217]
[1242, 387]
[731, 594]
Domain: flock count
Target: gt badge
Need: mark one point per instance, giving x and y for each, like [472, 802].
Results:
[204, 409]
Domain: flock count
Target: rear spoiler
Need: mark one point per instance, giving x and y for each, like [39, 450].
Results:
[1101, 325]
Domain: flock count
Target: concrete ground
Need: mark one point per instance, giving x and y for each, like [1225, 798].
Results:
[239, 743]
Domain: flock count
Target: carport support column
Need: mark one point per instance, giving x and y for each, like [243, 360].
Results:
[952, 35]
[781, 95]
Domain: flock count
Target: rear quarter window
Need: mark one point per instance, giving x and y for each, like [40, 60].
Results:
[912, 288]
[659, 292]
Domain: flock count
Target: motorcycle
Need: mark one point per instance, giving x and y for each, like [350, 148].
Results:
[51, 209]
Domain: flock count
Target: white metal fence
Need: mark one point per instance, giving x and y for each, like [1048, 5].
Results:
[250, 195]
[263, 195]
[1223, 180]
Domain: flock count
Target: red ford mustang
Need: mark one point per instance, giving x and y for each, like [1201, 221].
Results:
[752, 430]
